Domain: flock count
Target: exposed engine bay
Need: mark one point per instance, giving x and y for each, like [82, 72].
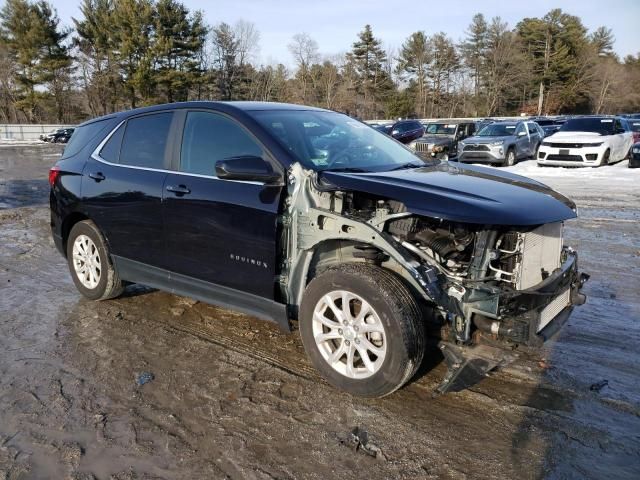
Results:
[490, 288]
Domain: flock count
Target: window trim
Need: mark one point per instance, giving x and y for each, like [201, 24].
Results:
[95, 155]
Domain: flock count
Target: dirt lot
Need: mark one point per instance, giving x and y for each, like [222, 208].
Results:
[232, 397]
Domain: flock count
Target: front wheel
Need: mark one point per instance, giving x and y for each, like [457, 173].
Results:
[90, 263]
[605, 159]
[362, 329]
[510, 159]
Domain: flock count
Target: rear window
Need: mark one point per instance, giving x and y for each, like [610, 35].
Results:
[145, 140]
[82, 136]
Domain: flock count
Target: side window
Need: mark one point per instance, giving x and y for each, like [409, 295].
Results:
[82, 136]
[210, 137]
[111, 150]
[416, 126]
[145, 140]
[532, 128]
[471, 129]
[520, 129]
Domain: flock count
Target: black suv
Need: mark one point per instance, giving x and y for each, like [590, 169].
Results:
[406, 131]
[440, 139]
[289, 212]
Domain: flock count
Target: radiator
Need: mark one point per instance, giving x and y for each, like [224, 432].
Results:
[540, 251]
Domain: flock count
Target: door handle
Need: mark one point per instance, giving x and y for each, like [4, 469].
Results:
[97, 176]
[178, 189]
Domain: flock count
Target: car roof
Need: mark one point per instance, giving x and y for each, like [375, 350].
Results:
[246, 106]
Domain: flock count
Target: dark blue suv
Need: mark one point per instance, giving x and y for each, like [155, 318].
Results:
[289, 213]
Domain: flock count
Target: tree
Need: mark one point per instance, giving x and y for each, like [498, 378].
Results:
[178, 39]
[473, 48]
[373, 82]
[603, 41]
[304, 50]
[97, 56]
[225, 53]
[416, 56]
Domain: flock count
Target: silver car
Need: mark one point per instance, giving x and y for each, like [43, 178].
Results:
[503, 143]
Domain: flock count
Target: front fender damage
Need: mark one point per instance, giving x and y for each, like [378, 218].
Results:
[474, 284]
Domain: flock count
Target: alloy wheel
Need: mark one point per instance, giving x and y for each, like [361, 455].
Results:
[86, 261]
[349, 334]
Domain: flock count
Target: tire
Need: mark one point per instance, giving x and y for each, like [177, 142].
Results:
[605, 159]
[535, 152]
[510, 158]
[101, 283]
[394, 315]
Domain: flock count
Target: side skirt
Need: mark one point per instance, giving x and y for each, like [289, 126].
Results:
[219, 295]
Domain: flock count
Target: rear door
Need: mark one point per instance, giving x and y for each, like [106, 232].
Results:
[220, 231]
[122, 187]
[534, 137]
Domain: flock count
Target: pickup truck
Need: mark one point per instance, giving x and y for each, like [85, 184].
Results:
[314, 220]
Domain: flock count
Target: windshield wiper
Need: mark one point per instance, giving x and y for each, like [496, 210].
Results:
[346, 169]
[408, 165]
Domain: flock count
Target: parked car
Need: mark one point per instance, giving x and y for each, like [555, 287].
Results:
[231, 203]
[634, 158]
[549, 125]
[406, 131]
[384, 128]
[502, 142]
[587, 142]
[60, 135]
[634, 125]
[46, 137]
[63, 136]
[440, 139]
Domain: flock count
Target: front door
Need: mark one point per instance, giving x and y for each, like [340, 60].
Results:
[220, 231]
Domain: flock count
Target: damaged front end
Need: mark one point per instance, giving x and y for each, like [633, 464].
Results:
[489, 287]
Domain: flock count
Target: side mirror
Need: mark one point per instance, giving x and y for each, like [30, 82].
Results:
[395, 132]
[522, 134]
[247, 168]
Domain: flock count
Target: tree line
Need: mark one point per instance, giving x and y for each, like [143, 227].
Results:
[123, 54]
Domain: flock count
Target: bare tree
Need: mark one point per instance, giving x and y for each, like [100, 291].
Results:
[304, 50]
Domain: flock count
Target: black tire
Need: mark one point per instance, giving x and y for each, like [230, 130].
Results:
[510, 157]
[398, 311]
[605, 159]
[109, 284]
[535, 152]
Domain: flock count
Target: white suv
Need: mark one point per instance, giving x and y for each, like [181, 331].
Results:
[587, 142]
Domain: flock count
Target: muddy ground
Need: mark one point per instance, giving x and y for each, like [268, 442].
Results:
[232, 397]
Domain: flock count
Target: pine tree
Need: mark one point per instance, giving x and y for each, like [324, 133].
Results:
[373, 82]
[416, 55]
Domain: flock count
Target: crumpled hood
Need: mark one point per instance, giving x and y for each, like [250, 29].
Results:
[435, 139]
[461, 193]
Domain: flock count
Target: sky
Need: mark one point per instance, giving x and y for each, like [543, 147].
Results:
[334, 24]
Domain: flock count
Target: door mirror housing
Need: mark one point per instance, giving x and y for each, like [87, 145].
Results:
[522, 134]
[247, 168]
[395, 132]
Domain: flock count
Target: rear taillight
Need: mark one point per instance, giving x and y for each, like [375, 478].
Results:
[54, 173]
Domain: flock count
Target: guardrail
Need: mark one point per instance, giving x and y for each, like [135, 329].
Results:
[26, 131]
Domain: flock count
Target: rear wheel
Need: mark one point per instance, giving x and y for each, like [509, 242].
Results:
[362, 329]
[90, 263]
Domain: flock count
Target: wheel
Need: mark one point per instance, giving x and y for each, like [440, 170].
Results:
[510, 159]
[535, 152]
[605, 159]
[445, 156]
[362, 329]
[90, 263]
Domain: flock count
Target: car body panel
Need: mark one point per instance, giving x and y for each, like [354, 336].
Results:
[493, 149]
[462, 193]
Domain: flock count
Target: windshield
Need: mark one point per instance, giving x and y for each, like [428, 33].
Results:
[601, 126]
[333, 141]
[497, 130]
[440, 129]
